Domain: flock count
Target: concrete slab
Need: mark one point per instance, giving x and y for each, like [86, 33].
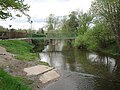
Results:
[49, 76]
[37, 70]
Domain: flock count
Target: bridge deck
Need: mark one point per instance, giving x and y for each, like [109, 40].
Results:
[52, 35]
[46, 38]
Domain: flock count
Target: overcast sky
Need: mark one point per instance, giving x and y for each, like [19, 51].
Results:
[40, 10]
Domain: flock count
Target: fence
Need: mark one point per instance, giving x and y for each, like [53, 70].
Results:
[6, 35]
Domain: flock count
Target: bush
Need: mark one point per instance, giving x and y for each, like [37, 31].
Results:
[91, 41]
[97, 39]
[80, 42]
[35, 35]
[39, 45]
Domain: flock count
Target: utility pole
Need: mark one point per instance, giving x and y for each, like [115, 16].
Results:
[31, 24]
[31, 27]
[10, 31]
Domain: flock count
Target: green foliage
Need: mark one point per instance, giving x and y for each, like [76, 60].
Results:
[87, 41]
[7, 6]
[99, 38]
[72, 22]
[111, 49]
[39, 45]
[91, 40]
[79, 41]
[2, 29]
[69, 24]
[109, 10]
[77, 22]
[52, 22]
[85, 19]
[21, 49]
[38, 35]
[8, 82]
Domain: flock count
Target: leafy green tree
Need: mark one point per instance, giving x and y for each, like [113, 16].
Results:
[96, 38]
[110, 11]
[2, 29]
[99, 37]
[8, 6]
[85, 19]
[72, 22]
[64, 26]
[52, 22]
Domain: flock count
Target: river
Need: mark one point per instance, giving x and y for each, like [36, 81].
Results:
[83, 70]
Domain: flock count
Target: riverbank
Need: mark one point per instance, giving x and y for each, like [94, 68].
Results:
[107, 52]
[14, 67]
[22, 50]
[111, 51]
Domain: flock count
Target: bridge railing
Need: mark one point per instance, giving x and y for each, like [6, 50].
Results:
[53, 36]
[60, 35]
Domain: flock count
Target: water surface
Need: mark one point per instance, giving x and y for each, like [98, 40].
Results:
[83, 70]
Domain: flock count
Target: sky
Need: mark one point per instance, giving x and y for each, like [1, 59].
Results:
[41, 9]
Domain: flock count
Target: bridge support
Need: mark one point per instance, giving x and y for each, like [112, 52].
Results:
[70, 41]
[54, 43]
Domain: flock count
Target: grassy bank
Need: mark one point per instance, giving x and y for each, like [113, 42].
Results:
[8, 82]
[21, 49]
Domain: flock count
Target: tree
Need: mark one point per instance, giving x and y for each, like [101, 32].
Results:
[2, 29]
[85, 20]
[73, 22]
[110, 11]
[52, 22]
[64, 25]
[8, 6]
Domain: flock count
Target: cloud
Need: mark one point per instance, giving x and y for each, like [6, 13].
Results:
[43, 8]
[38, 20]
[40, 10]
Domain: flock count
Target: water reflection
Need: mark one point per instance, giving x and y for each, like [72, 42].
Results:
[54, 59]
[85, 62]
[54, 45]
[108, 62]
[105, 69]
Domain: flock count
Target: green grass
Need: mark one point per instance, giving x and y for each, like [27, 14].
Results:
[21, 49]
[8, 82]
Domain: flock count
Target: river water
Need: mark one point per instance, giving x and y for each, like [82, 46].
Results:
[83, 70]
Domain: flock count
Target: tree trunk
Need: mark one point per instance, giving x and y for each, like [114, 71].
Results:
[118, 39]
[116, 32]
